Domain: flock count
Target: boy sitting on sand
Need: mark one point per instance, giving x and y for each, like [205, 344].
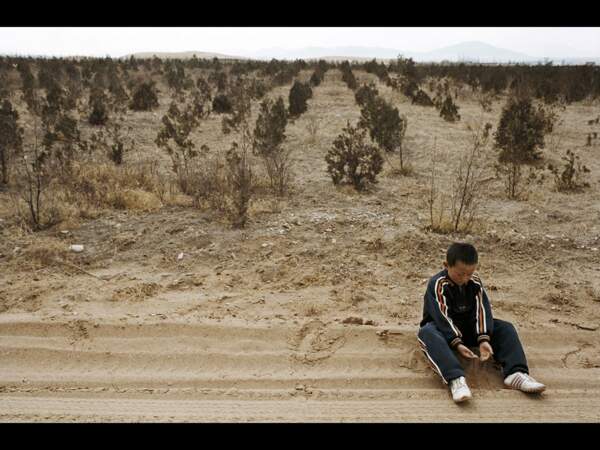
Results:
[457, 315]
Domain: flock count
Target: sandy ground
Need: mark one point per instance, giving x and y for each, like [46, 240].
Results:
[263, 324]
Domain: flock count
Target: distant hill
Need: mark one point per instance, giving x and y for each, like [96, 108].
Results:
[466, 51]
[472, 51]
[327, 53]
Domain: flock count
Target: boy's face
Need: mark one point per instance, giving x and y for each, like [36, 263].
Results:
[460, 272]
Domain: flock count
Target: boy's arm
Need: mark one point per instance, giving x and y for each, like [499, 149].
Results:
[484, 324]
[437, 307]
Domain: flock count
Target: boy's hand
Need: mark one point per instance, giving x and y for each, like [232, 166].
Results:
[465, 351]
[485, 350]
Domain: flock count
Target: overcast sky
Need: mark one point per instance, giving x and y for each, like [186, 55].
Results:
[115, 42]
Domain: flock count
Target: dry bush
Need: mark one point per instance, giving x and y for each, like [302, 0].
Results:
[42, 252]
[269, 136]
[239, 170]
[33, 186]
[56, 210]
[134, 199]
[485, 100]
[455, 209]
[208, 183]
[239, 175]
[175, 136]
[436, 199]
[449, 110]
[570, 178]
[163, 186]
[311, 309]
[138, 292]
[104, 185]
[98, 114]
[113, 141]
[312, 127]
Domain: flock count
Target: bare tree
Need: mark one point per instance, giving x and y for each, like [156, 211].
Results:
[35, 181]
[460, 202]
[468, 179]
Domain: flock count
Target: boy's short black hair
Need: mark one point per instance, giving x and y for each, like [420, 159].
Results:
[461, 251]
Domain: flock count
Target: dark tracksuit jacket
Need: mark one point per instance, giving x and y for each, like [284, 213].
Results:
[454, 312]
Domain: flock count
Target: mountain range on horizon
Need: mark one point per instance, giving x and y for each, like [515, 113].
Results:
[471, 51]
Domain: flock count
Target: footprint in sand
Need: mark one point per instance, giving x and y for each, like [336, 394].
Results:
[314, 342]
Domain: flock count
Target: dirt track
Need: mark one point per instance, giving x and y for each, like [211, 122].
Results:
[318, 372]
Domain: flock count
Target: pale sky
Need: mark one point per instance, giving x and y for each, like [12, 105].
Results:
[243, 41]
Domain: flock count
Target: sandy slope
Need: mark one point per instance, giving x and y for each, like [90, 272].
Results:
[235, 372]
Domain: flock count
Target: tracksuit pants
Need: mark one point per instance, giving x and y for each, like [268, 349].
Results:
[505, 342]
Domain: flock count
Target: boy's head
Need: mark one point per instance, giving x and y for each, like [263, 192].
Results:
[461, 262]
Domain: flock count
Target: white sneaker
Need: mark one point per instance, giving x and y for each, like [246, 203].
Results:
[523, 382]
[460, 390]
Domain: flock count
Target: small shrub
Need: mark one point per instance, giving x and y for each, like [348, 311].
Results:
[299, 94]
[386, 127]
[98, 114]
[521, 131]
[240, 184]
[145, 97]
[113, 141]
[347, 75]
[258, 88]
[221, 104]
[316, 78]
[449, 110]
[175, 138]
[352, 159]
[269, 135]
[520, 134]
[62, 142]
[366, 94]
[570, 178]
[421, 98]
[409, 88]
[208, 182]
[220, 79]
[241, 105]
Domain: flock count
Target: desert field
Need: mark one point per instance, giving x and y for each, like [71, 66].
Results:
[309, 313]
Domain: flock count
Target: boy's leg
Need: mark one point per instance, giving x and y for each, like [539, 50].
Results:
[439, 354]
[507, 347]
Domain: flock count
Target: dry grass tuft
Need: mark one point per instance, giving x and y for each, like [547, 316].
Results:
[43, 252]
[135, 199]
